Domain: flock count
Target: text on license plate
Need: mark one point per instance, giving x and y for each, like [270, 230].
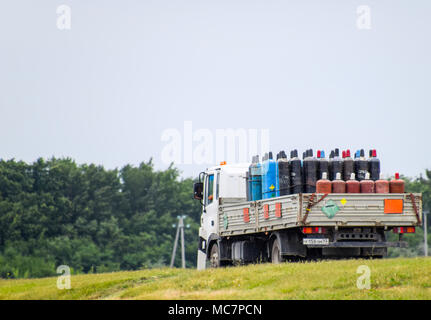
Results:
[320, 241]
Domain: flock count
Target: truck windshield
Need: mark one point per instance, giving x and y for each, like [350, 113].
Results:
[210, 189]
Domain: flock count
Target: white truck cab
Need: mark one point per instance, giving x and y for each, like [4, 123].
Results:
[222, 181]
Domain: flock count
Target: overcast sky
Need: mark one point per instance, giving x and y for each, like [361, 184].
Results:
[106, 90]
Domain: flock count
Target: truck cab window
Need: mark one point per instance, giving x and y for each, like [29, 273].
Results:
[209, 189]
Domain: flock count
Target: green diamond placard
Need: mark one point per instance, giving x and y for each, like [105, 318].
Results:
[330, 209]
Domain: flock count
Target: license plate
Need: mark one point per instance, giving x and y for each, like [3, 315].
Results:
[320, 241]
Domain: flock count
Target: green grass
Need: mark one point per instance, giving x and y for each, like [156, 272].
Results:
[390, 279]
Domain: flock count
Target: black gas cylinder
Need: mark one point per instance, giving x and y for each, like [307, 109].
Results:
[295, 169]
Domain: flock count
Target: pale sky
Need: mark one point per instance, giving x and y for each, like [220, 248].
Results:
[105, 90]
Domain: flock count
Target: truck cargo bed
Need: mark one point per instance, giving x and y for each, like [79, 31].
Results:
[284, 212]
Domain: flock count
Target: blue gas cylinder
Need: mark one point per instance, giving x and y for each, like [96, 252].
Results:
[269, 177]
[256, 179]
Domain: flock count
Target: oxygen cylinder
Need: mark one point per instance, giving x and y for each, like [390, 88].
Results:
[331, 158]
[324, 185]
[352, 185]
[338, 185]
[256, 177]
[249, 179]
[323, 164]
[396, 185]
[361, 166]
[310, 172]
[348, 166]
[382, 185]
[374, 166]
[367, 185]
[295, 172]
[283, 174]
[269, 167]
[277, 181]
[336, 164]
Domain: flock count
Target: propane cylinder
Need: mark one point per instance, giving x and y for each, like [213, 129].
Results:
[382, 185]
[338, 185]
[396, 185]
[352, 185]
[295, 172]
[324, 185]
[374, 165]
[310, 172]
[361, 166]
[256, 180]
[336, 164]
[269, 167]
[367, 185]
[283, 174]
[323, 164]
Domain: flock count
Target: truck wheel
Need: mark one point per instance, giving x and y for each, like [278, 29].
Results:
[214, 256]
[276, 253]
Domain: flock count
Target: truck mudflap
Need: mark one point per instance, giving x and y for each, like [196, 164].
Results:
[359, 244]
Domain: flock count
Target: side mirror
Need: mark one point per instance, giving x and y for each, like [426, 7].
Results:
[198, 188]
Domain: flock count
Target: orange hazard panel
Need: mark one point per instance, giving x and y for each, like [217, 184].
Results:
[394, 205]
[246, 215]
[266, 211]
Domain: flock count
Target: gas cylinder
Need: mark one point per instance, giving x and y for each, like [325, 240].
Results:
[374, 165]
[256, 179]
[324, 185]
[277, 181]
[361, 166]
[367, 185]
[248, 186]
[348, 166]
[295, 172]
[249, 180]
[269, 167]
[283, 174]
[352, 185]
[310, 172]
[331, 158]
[323, 164]
[396, 185]
[382, 185]
[336, 164]
[338, 185]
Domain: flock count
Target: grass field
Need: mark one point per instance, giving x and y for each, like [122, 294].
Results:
[390, 279]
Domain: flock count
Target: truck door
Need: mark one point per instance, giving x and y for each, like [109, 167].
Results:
[210, 220]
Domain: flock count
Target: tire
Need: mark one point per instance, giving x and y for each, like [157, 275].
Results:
[214, 256]
[276, 257]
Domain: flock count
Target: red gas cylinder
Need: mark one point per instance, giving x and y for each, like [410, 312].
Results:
[396, 185]
[352, 185]
[338, 185]
[367, 185]
[382, 185]
[323, 185]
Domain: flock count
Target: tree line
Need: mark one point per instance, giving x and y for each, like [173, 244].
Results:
[55, 212]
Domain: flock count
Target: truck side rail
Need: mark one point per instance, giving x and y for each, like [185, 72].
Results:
[284, 212]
